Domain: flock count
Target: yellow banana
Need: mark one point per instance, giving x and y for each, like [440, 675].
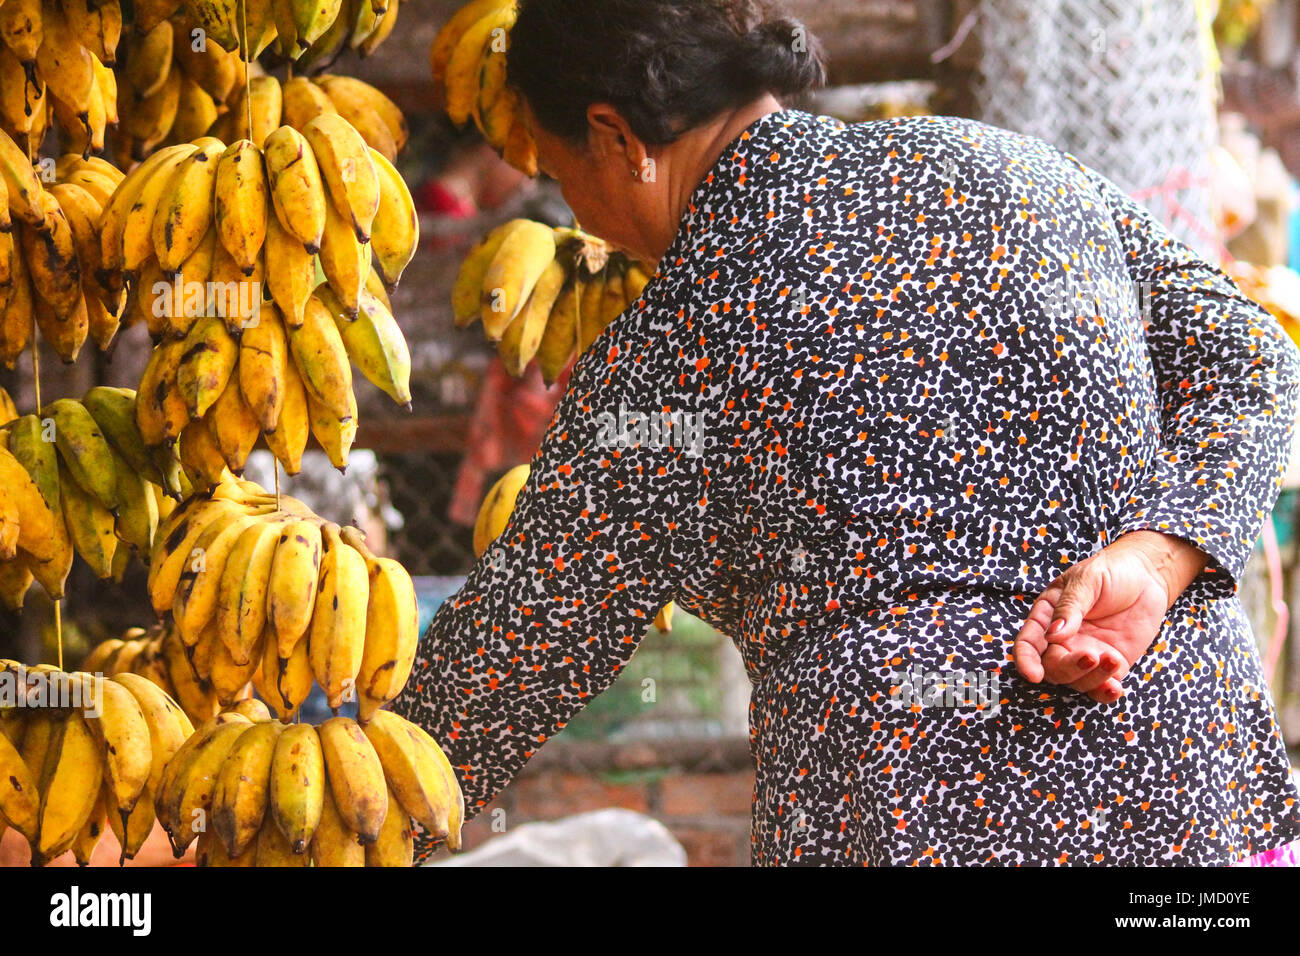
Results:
[322, 361]
[65, 65]
[234, 426]
[242, 595]
[523, 337]
[467, 293]
[98, 26]
[87, 838]
[243, 787]
[195, 603]
[216, 70]
[196, 112]
[160, 408]
[242, 203]
[290, 272]
[392, 629]
[132, 834]
[185, 210]
[456, 817]
[288, 439]
[229, 680]
[51, 259]
[462, 71]
[284, 683]
[23, 185]
[149, 61]
[200, 456]
[263, 350]
[137, 235]
[423, 796]
[494, 513]
[344, 260]
[312, 18]
[267, 108]
[453, 31]
[174, 547]
[69, 786]
[356, 777]
[119, 211]
[333, 844]
[292, 585]
[219, 18]
[19, 798]
[371, 113]
[520, 150]
[304, 100]
[297, 191]
[123, 732]
[349, 173]
[559, 341]
[395, 846]
[396, 226]
[374, 341]
[336, 435]
[206, 365]
[519, 264]
[298, 785]
[336, 641]
[274, 850]
[169, 728]
[190, 796]
[35, 519]
[65, 331]
[84, 450]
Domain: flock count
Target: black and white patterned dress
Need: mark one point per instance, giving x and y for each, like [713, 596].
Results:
[908, 382]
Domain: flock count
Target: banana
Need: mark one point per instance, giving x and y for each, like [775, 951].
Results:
[100, 26]
[494, 513]
[194, 697]
[284, 682]
[137, 513]
[20, 96]
[336, 641]
[286, 30]
[51, 259]
[113, 410]
[304, 100]
[336, 435]
[368, 44]
[263, 350]
[333, 843]
[192, 280]
[174, 547]
[81, 212]
[169, 727]
[137, 235]
[420, 794]
[234, 426]
[35, 518]
[467, 293]
[66, 66]
[185, 210]
[122, 208]
[241, 203]
[274, 850]
[8, 527]
[87, 838]
[84, 450]
[523, 337]
[123, 732]
[520, 150]
[90, 525]
[261, 29]
[397, 225]
[664, 619]
[288, 439]
[322, 360]
[253, 709]
[242, 594]
[356, 98]
[102, 323]
[64, 331]
[207, 364]
[433, 752]
[160, 409]
[453, 31]
[559, 341]
[311, 18]
[375, 342]
[290, 272]
[524, 256]
[368, 124]
[23, 185]
[69, 786]
[230, 681]
[349, 172]
[219, 18]
[292, 585]
[190, 797]
[298, 785]
[200, 455]
[243, 788]
[499, 116]
[356, 777]
[149, 61]
[326, 48]
[218, 71]
[209, 852]
[196, 112]
[195, 603]
[491, 88]
[132, 834]
[396, 845]
[16, 317]
[589, 310]
[297, 190]
[15, 580]
[344, 260]
[462, 71]
[19, 798]
[392, 629]
[267, 108]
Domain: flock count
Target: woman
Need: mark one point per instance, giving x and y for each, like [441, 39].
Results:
[972, 513]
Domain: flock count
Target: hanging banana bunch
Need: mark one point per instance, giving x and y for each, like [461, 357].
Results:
[49, 252]
[55, 61]
[543, 293]
[78, 481]
[468, 61]
[310, 33]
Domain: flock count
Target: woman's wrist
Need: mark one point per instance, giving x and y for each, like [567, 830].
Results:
[1173, 560]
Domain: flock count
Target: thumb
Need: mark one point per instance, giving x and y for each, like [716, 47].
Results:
[1078, 595]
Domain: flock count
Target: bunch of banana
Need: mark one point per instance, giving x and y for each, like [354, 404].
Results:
[543, 293]
[300, 100]
[174, 86]
[281, 598]
[494, 515]
[259, 793]
[468, 60]
[55, 60]
[90, 759]
[159, 655]
[308, 32]
[49, 250]
[77, 479]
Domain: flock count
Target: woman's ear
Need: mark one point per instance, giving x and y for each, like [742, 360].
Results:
[612, 136]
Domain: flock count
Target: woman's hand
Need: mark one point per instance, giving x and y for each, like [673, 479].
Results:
[1097, 619]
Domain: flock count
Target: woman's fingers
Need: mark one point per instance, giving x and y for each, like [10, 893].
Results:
[1079, 590]
[1027, 653]
[1112, 666]
[1063, 665]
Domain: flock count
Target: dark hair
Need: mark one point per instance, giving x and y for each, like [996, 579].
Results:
[666, 65]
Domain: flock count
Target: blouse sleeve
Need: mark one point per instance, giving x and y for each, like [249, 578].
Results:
[600, 537]
[1227, 377]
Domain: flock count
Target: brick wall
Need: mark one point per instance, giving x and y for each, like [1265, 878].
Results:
[699, 790]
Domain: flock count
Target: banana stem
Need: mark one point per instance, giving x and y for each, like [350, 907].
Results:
[277, 484]
[248, 52]
[58, 628]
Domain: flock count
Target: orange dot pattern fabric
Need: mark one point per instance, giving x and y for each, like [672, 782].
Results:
[890, 380]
